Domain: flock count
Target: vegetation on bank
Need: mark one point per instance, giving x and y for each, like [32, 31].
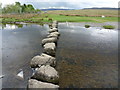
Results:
[43, 17]
[87, 26]
[108, 27]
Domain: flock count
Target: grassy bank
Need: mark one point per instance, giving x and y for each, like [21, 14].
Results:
[84, 16]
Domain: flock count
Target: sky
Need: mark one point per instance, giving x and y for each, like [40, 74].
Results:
[65, 4]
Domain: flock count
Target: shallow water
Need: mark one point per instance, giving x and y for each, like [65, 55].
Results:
[86, 58]
[19, 45]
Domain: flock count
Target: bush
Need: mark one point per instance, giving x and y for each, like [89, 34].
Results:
[108, 27]
[87, 26]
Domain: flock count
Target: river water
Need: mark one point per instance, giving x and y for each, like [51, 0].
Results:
[86, 58]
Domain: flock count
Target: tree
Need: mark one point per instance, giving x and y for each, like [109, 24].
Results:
[17, 3]
[18, 8]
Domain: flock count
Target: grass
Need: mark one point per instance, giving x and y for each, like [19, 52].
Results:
[108, 27]
[87, 26]
[62, 18]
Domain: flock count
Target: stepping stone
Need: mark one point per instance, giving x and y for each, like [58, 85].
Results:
[32, 84]
[46, 73]
[44, 59]
[56, 33]
[49, 40]
[56, 22]
[53, 30]
[54, 25]
[50, 48]
[52, 35]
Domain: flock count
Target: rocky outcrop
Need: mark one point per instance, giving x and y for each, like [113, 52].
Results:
[33, 83]
[46, 73]
[50, 48]
[44, 59]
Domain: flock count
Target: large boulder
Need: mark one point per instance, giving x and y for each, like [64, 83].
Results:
[44, 59]
[46, 73]
[49, 40]
[50, 48]
[32, 84]
[53, 30]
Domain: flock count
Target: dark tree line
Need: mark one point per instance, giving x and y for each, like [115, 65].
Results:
[18, 8]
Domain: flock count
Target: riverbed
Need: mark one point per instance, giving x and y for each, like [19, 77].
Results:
[86, 58]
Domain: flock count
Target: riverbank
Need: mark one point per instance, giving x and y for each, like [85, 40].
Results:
[49, 17]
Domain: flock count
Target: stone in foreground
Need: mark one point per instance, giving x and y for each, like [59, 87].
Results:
[46, 73]
[32, 84]
[49, 40]
[50, 48]
[44, 59]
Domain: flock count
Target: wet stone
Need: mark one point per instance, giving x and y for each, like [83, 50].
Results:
[49, 40]
[44, 59]
[46, 73]
[50, 48]
[32, 84]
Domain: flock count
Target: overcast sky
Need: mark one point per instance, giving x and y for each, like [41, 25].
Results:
[73, 4]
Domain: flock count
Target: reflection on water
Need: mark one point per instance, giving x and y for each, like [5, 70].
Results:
[11, 26]
[19, 45]
[87, 58]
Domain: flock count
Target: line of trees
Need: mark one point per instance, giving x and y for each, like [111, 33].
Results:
[18, 8]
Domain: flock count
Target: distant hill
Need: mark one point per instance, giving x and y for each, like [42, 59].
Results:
[104, 8]
[51, 9]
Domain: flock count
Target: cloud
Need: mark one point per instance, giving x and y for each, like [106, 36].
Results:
[76, 4]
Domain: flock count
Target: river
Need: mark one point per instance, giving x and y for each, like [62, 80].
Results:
[86, 58]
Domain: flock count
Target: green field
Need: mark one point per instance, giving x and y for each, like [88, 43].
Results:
[63, 16]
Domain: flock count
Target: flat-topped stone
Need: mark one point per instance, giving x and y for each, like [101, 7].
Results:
[32, 84]
[49, 40]
[46, 73]
[50, 48]
[44, 59]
